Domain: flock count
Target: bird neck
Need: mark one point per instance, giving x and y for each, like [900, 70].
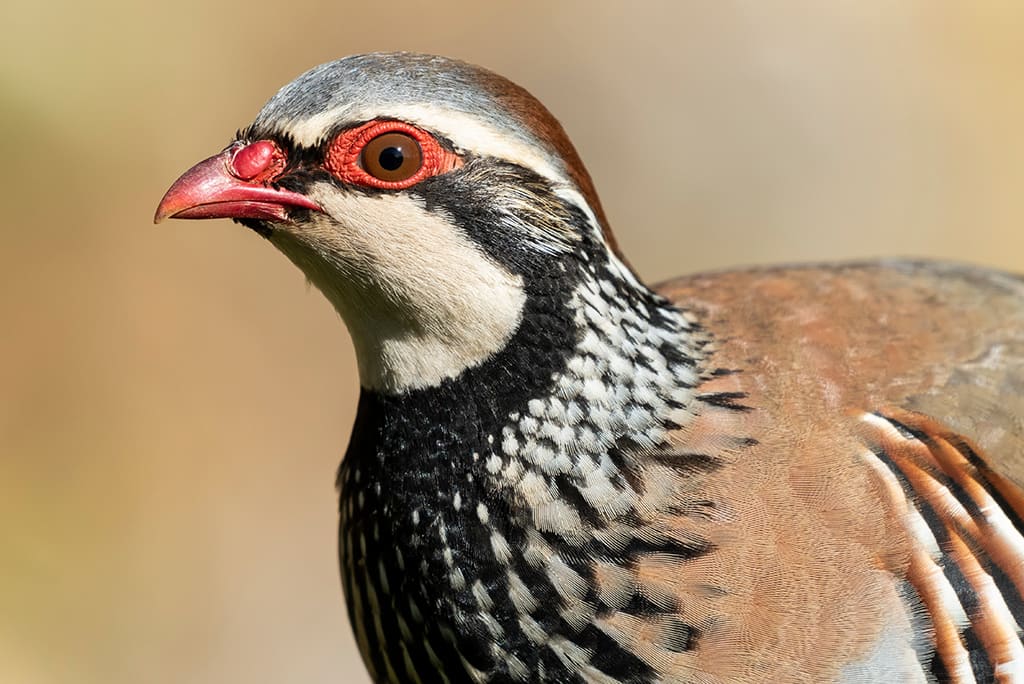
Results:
[454, 496]
[607, 360]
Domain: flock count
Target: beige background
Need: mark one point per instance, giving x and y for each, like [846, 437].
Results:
[174, 400]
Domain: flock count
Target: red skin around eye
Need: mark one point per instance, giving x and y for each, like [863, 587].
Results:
[343, 155]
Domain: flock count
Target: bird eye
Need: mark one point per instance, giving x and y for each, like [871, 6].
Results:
[392, 157]
[387, 155]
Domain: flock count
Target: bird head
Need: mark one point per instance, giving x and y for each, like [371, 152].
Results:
[428, 199]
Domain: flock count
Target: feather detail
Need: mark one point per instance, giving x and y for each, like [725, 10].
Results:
[968, 558]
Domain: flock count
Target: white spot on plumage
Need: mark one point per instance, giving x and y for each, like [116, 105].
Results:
[555, 410]
[601, 417]
[532, 629]
[559, 463]
[576, 658]
[537, 551]
[500, 548]
[483, 599]
[620, 367]
[542, 456]
[922, 533]
[588, 440]
[528, 425]
[645, 396]
[550, 429]
[680, 396]
[510, 446]
[1004, 529]
[592, 295]
[517, 668]
[494, 627]
[559, 517]
[475, 674]
[1012, 671]
[595, 391]
[456, 578]
[598, 491]
[522, 598]
[534, 490]
[513, 471]
[578, 615]
[616, 585]
[565, 438]
[573, 413]
[536, 408]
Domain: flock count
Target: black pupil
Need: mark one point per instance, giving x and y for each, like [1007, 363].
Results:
[391, 158]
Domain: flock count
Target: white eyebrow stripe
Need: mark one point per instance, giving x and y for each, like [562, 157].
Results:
[466, 131]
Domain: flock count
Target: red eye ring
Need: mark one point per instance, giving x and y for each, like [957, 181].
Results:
[344, 155]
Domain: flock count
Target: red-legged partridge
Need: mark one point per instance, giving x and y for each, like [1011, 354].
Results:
[560, 474]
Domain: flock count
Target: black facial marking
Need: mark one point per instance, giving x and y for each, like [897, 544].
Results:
[469, 195]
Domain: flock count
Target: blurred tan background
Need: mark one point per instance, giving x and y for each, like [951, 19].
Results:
[174, 400]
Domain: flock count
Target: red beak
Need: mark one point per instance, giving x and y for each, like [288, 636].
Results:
[233, 184]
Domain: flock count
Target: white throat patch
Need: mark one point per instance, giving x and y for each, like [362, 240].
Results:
[421, 301]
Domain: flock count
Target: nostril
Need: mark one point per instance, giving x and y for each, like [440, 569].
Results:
[256, 159]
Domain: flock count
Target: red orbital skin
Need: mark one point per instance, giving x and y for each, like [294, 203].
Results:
[344, 155]
[257, 162]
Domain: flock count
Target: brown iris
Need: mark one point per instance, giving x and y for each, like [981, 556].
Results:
[392, 157]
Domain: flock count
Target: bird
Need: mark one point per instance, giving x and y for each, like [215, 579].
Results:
[557, 473]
